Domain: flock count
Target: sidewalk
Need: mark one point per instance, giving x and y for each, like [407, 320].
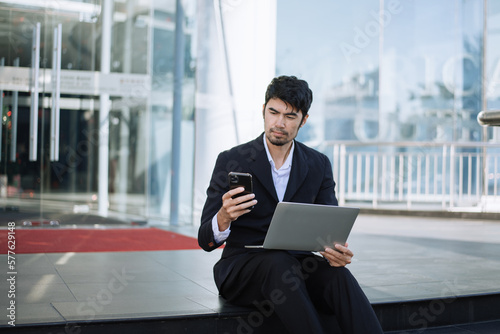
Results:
[397, 260]
[411, 258]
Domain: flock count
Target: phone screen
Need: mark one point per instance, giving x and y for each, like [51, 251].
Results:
[240, 180]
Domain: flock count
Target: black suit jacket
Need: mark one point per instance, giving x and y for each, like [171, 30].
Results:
[311, 181]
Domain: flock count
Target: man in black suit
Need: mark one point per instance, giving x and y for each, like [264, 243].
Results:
[297, 286]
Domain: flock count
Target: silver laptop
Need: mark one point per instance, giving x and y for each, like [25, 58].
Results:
[308, 227]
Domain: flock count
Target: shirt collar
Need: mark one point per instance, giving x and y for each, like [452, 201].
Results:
[289, 159]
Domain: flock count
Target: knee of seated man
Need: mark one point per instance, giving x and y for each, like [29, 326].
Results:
[339, 274]
[282, 267]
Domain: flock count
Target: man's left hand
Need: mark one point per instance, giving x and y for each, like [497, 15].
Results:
[338, 257]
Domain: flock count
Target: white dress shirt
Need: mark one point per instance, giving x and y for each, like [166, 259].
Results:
[280, 179]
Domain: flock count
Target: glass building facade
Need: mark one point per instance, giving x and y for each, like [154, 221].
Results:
[120, 107]
[401, 83]
[392, 70]
[88, 107]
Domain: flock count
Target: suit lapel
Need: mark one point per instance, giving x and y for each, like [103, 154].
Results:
[297, 174]
[261, 168]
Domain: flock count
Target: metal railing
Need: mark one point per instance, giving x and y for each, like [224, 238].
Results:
[489, 118]
[453, 176]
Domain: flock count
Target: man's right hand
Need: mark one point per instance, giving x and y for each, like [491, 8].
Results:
[232, 208]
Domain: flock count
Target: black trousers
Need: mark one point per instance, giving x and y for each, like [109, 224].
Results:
[298, 288]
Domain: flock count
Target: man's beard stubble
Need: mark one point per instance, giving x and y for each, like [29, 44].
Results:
[278, 142]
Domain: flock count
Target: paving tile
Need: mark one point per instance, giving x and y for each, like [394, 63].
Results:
[43, 293]
[129, 308]
[396, 259]
[117, 290]
[28, 279]
[38, 313]
[218, 305]
[100, 259]
[208, 284]
[191, 264]
[34, 264]
[107, 273]
[408, 292]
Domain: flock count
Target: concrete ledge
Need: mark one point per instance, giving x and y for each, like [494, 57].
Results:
[438, 312]
[432, 213]
[408, 316]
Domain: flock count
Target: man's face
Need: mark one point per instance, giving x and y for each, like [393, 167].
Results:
[281, 122]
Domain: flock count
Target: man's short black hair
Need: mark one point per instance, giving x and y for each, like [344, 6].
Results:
[293, 91]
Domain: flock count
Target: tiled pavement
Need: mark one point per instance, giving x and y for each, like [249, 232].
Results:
[397, 259]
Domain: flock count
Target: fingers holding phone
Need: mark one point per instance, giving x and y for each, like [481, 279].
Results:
[241, 198]
[238, 201]
[238, 181]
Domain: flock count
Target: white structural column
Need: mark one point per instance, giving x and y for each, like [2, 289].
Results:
[249, 28]
[104, 106]
[124, 149]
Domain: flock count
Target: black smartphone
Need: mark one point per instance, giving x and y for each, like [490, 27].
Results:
[244, 180]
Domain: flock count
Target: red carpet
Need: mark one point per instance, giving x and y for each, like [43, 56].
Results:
[90, 240]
